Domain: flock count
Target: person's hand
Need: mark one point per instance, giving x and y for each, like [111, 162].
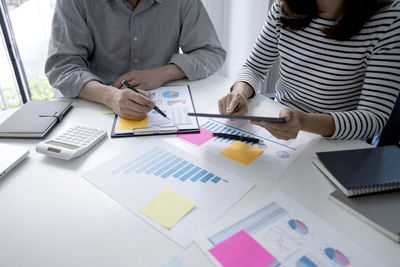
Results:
[236, 101]
[284, 130]
[131, 105]
[143, 79]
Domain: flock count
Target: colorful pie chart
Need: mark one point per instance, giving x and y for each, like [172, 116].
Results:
[298, 226]
[337, 257]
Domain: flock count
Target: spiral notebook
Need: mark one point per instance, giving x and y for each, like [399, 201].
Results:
[362, 171]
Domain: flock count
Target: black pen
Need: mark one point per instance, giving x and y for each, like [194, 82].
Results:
[239, 137]
[128, 85]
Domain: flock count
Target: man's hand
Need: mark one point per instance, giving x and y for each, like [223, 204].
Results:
[284, 130]
[152, 78]
[131, 105]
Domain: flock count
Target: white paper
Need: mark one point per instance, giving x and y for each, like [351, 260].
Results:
[277, 155]
[291, 233]
[136, 176]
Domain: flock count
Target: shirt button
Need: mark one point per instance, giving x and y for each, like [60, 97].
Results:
[135, 60]
[135, 38]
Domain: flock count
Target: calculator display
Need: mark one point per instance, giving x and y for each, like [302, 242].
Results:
[54, 143]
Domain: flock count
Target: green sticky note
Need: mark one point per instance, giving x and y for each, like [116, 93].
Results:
[167, 208]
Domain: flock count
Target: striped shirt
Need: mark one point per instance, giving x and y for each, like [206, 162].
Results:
[356, 81]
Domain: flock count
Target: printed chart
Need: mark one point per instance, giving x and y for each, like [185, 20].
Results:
[277, 154]
[289, 234]
[175, 102]
[133, 179]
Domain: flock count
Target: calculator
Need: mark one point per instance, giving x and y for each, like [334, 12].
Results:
[72, 143]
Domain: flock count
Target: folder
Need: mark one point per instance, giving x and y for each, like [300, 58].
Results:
[35, 119]
[175, 101]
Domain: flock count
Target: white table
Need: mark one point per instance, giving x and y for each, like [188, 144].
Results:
[51, 216]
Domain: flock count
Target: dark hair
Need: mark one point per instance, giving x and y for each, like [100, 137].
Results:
[297, 14]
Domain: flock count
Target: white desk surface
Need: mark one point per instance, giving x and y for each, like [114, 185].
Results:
[51, 216]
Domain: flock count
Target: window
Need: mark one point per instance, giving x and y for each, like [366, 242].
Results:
[26, 28]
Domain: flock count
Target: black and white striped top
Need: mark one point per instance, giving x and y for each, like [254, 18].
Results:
[357, 81]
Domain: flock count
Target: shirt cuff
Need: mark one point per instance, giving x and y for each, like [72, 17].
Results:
[76, 81]
[248, 76]
[184, 62]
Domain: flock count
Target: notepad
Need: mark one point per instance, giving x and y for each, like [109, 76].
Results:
[167, 208]
[241, 152]
[242, 250]
[125, 124]
[197, 138]
[362, 171]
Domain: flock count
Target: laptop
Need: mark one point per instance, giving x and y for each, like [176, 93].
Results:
[11, 156]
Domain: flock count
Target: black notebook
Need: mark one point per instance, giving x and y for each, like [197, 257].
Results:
[362, 171]
[34, 119]
[381, 211]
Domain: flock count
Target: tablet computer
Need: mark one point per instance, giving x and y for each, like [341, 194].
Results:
[237, 117]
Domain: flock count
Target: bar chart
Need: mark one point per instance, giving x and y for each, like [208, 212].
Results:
[222, 127]
[138, 175]
[164, 164]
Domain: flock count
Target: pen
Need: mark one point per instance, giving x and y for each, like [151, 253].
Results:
[238, 137]
[128, 85]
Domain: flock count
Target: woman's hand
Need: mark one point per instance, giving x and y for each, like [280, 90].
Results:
[236, 101]
[284, 130]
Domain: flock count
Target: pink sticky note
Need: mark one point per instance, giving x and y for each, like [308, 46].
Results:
[242, 250]
[197, 138]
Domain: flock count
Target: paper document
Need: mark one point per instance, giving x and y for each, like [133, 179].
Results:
[276, 156]
[175, 102]
[136, 177]
[288, 234]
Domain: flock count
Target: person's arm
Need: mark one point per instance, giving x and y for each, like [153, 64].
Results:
[257, 65]
[202, 51]
[125, 102]
[69, 47]
[151, 78]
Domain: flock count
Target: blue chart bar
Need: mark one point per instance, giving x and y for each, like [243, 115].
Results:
[174, 169]
[167, 166]
[189, 174]
[164, 164]
[182, 171]
[198, 176]
[216, 180]
[206, 178]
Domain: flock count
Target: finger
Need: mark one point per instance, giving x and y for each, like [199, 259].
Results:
[118, 83]
[234, 105]
[286, 113]
[140, 98]
[221, 106]
[145, 93]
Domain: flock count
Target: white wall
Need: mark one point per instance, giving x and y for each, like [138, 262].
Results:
[238, 23]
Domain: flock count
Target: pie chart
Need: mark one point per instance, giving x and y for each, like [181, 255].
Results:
[337, 256]
[298, 226]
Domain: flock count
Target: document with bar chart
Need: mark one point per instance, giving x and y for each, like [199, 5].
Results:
[285, 233]
[136, 176]
[277, 154]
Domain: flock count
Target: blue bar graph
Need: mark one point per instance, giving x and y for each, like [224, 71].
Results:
[190, 174]
[164, 164]
[198, 176]
[215, 126]
[206, 178]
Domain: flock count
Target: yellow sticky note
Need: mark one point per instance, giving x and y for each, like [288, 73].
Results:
[241, 152]
[167, 208]
[125, 124]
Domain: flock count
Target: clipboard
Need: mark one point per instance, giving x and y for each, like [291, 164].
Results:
[237, 117]
[175, 101]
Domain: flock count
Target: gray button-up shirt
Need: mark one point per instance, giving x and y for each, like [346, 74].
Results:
[104, 39]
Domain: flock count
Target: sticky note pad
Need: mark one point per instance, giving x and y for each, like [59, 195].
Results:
[167, 208]
[241, 152]
[125, 124]
[197, 138]
[242, 250]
